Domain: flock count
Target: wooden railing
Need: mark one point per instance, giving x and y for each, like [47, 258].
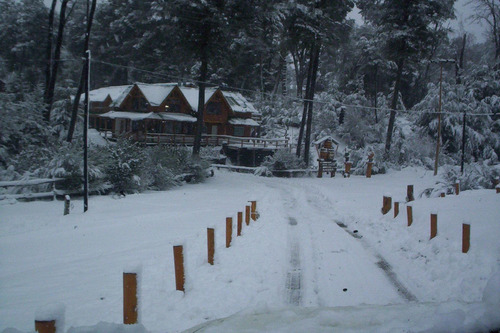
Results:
[217, 140]
[30, 183]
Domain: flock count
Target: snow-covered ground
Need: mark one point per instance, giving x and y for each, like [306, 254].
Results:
[320, 258]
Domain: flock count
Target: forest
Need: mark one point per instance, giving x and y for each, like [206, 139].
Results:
[392, 86]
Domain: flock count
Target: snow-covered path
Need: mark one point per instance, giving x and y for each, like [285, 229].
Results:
[319, 244]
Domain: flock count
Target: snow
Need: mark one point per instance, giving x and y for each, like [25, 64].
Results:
[245, 122]
[177, 117]
[130, 115]
[192, 94]
[239, 103]
[157, 92]
[100, 95]
[320, 258]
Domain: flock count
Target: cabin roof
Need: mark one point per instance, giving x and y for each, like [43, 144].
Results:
[239, 103]
[100, 95]
[130, 115]
[244, 121]
[325, 138]
[191, 95]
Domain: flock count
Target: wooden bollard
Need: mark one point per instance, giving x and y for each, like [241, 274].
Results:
[210, 245]
[320, 170]
[434, 227]
[457, 188]
[369, 167]
[45, 326]
[229, 231]
[409, 214]
[253, 210]
[409, 193]
[396, 209]
[240, 223]
[465, 237]
[179, 267]
[498, 189]
[443, 195]
[67, 204]
[247, 215]
[347, 171]
[130, 298]
[386, 204]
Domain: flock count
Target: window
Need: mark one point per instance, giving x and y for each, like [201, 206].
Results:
[173, 106]
[214, 108]
[239, 131]
[140, 104]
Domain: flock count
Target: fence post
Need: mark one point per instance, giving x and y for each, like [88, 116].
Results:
[457, 188]
[386, 204]
[45, 326]
[130, 298]
[347, 171]
[396, 209]
[369, 167]
[179, 267]
[320, 169]
[433, 225]
[210, 245]
[409, 193]
[253, 210]
[247, 215]
[443, 195]
[229, 231]
[465, 237]
[498, 189]
[67, 203]
[240, 223]
[409, 214]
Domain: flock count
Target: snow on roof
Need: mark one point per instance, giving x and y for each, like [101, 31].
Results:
[130, 115]
[119, 98]
[245, 122]
[99, 95]
[157, 92]
[191, 95]
[181, 117]
[323, 139]
[239, 103]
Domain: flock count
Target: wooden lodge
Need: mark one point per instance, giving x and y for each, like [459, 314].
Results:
[166, 113]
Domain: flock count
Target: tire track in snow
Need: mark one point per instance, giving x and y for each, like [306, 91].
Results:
[294, 274]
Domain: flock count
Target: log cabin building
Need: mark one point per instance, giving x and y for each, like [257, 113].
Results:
[167, 108]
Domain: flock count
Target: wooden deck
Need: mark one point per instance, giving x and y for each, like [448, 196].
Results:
[218, 140]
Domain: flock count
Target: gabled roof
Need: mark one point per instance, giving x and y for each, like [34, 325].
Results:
[191, 95]
[157, 92]
[100, 95]
[239, 103]
[130, 115]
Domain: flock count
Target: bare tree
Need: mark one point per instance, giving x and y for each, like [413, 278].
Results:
[488, 11]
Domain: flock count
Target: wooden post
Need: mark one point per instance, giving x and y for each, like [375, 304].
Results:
[240, 223]
[253, 210]
[130, 298]
[443, 195]
[179, 267]
[247, 215]
[347, 170]
[457, 188]
[320, 169]
[45, 326]
[409, 193]
[210, 245]
[369, 167]
[433, 225]
[465, 237]
[67, 203]
[396, 209]
[386, 204]
[229, 231]
[409, 214]
[498, 189]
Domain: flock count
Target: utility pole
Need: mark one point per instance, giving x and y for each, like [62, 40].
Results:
[438, 141]
[86, 124]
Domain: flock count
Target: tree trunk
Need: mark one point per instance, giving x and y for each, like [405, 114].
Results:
[306, 103]
[394, 104]
[50, 36]
[307, 141]
[459, 63]
[201, 102]
[55, 61]
[76, 101]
